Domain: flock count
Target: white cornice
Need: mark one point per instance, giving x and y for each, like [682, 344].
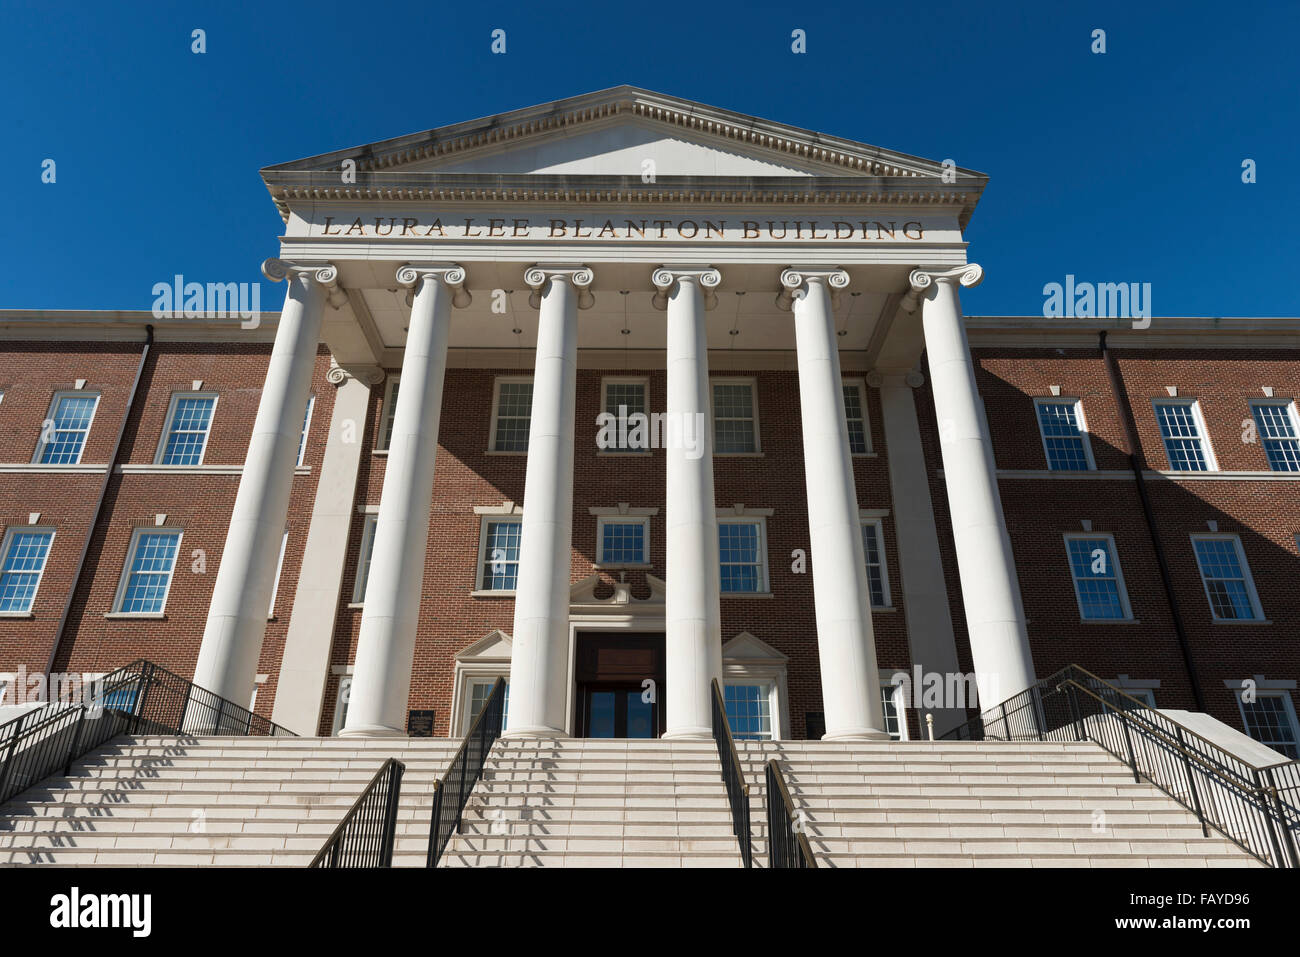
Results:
[1170, 332]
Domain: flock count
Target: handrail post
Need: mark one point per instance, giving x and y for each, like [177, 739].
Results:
[1288, 832]
[1006, 722]
[1075, 715]
[140, 692]
[185, 706]
[390, 811]
[1278, 859]
[1191, 781]
[1036, 703]
[9, 756]
[1128, 743]
[76, 739]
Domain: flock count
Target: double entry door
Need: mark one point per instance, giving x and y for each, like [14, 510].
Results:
[620, 680]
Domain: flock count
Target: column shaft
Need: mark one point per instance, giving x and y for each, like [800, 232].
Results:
[990, 590]
[381, 679]
[539, 657]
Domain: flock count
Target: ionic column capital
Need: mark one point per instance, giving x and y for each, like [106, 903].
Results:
[579, 276]
[665, 277]
[921, 279]
[327, 274]
[796, 279]
[369, 375]
[451, 275]
[911, 378]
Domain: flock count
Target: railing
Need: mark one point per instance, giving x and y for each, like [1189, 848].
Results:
[452, 790]
[1258, 809]
[787, 844]
[137, 698]
[733, 777]
[365, 836]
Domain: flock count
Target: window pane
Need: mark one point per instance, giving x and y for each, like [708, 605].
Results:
[629, 395]
[623, 543]
[514, 408]
[1277, 431]
[500, 556]
[189, 431]
[738, 547]
[23, 562]
[1225, 580]
[856, 416]
[479, 691]
[891, 711]
[306, 424]
[733, 418]
[390, 410]
[1062, 438]
[875, 564]
[69, 425]
[1095, 579]
[1182, 437]
[749, 711]
[151, 571]
[1268, 722]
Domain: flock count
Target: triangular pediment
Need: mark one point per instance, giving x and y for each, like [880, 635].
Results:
[747, 647]
[494, 646]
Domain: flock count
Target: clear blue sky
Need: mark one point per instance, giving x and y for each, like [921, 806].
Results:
[1117, 167]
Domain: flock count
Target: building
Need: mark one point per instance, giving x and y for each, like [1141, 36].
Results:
[622, 393]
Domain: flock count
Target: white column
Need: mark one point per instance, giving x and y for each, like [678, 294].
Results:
[381, 677]
[539, 657]
[232, 637]
[846, 645]
[995, 618]
[692, 618]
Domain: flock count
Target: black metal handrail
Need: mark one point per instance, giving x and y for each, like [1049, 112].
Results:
[1258, 809]
[787, 844]
[452, 790]
[365, 836]
[137, 698]
[733, 777]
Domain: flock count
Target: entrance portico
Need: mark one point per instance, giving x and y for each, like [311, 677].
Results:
[750, 242]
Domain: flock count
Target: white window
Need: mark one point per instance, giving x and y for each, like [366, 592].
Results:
[341, 703]
[622, 540]
[735, 417]
[1183, 432]
[873, 546]
[386, 414]
[749, 710]
[306, 427]
[1146, 695]
[477, 692]
[855, 413]
[1270, 719]
[185, 437]
[147, 576]
[63, 434]
[1226, 576]
[624, 398]
[891, 700]
[1279, 431]
[22, 562]
[363, 558]
[512, 410]
[498, 553]
[742, 549]
[275, 589]
[1098, 582]
[1064, 434]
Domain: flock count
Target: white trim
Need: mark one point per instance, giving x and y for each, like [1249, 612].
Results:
[479, 589]
[387, 408]
[750, 518]
[505, 508]
[750, 660]
[623, 508]
[169, 424]
[497, 382]
[622, 519]
[1203, 435]
[117, 611]
[129, 469]
[860, 384]
[1113, 555]
[752, 382]
[279, 567]
[49, 417]
[363, 559]
[1080, 423]
[7, 543]
[306, 428]
[1249, 579]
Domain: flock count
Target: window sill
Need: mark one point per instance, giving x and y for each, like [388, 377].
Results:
[1110, 621]
[747, 594]
[1241, 621]
[506, 453]
[738, 455]
[883, 608]
[640, 566]
[865, 455]
[147, 615]
[354, 605]
[380, 452]
[489, 593]
[624, 453]
[17, 614]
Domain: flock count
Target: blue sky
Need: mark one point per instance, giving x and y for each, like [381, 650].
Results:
[1122, 167]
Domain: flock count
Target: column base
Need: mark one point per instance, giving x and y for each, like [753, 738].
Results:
[372, 731]
[688, 734]
[534, 733]
[857, 734]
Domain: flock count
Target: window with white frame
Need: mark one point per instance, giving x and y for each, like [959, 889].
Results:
[147, 576]
[275, 588]
[873, 546]
[477, 691]
[22, 562]
[1226, 576]
[185, 437]
[1098, 582]
[742, 549]
[622, 540]
[749, 710]
[1183, 433]
[363, 558]
[735, 417]
[306, 427]
[855, 413]
[1270, 719]
[1146, 695]
[891, 701]
[512, 409]
[386, 414]
[622, 397]
[63, 434]
[1279, 431]
[498, 553]
[1065, 438]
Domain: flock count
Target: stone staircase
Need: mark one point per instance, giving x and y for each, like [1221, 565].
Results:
[991, 804]
[170, 801]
